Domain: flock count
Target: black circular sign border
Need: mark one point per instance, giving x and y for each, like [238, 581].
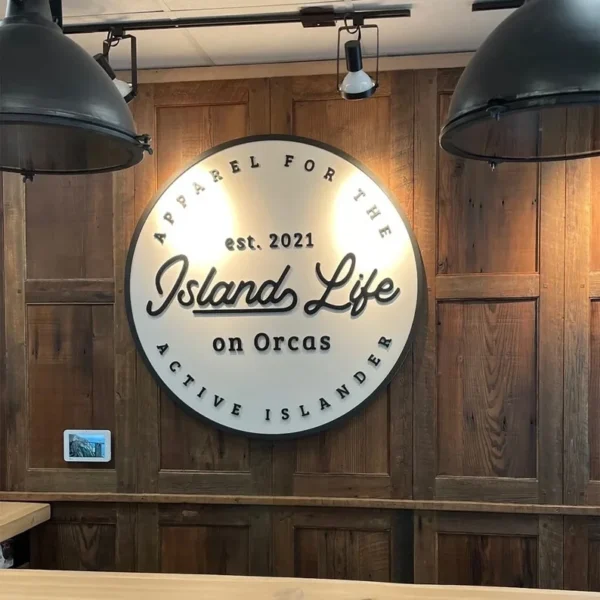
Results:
[420, 311]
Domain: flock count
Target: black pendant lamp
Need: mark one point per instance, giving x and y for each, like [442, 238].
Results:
[544, 57]
[59, 111]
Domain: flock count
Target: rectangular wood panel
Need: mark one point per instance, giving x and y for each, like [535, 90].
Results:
[75, 547]
[487, 560]
[342, 449]
[342, 554]
[487, 393]
[487, 221]
[184, 132]
[218, 550]
[69, 227]
[349, 126]
[343, 544]
[71, 377]
[189, 444]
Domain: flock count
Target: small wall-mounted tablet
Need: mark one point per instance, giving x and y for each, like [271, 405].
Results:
[87, 445]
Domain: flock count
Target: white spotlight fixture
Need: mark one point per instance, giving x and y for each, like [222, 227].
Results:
[357, 84]
[127, 90]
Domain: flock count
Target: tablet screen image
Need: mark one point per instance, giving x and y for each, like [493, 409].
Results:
[87, 445]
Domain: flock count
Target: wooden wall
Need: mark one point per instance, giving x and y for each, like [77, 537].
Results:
[480, 464]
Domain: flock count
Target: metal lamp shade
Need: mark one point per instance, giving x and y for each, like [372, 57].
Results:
[542, 58]
[59, 111]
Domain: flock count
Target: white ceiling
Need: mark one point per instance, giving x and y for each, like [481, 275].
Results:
[435, 26]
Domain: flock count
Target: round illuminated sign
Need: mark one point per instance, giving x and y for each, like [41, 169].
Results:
[273, 287]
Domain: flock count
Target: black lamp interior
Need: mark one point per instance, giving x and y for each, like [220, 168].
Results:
[541, 65]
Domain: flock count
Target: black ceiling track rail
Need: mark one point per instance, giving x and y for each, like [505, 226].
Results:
[484, 5]
[308, 17]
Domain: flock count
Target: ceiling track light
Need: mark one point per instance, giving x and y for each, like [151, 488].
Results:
[357, 84]
[310, 16]
[127, 90]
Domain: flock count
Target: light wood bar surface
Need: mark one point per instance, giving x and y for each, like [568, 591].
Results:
[65, 585]
[17, 517]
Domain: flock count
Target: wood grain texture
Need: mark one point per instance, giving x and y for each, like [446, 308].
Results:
[242, 536]
[187, 444]
[487, 560]
[69, 227]
[17, 517]
[594, 285]
[487, 420]
[341, 449]
[425, 386]
[145, 389]
[126, 408]
[577, 313]
[219, 550]
[74, 547]
[401, 185]
[425, 546]
[487, 287]
[487, 220]
[550, 319]
[342, 554]
[551, 553]
[342, 544]
[577, 572]
[14, 397]
[25, 585]
[183, 133]
[69, 291]
[487, 489]
[71, 377]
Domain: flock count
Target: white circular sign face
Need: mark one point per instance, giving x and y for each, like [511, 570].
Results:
[273, 287]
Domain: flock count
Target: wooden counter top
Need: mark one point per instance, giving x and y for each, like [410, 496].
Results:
[17, 517]
[57, 585]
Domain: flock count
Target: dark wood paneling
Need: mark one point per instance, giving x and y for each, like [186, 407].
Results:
[69, 227]
[487, 221]
[487, 392]
[184, 132]
[88, 537]
[480, 549]
[367, 545]
[211, 549]
[487, 560]
[187, 444]
[342, 554]
[341, 450]
[215, 540]
[579, 177]
[582, 554]
[425, 365]
[71, 376]
[75, 547]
